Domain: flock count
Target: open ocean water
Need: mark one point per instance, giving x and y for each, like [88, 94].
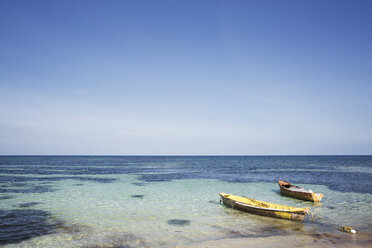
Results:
[170, 201]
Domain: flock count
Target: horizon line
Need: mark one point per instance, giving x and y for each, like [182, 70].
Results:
[177, 155]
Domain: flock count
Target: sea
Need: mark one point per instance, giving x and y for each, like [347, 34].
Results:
[173, 201]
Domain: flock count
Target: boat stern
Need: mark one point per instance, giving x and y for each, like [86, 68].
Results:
[317, 197]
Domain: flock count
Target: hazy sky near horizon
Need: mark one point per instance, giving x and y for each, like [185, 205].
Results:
[185, 77]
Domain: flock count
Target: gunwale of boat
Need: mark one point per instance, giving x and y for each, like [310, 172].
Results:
[269, 209]
[293, 187]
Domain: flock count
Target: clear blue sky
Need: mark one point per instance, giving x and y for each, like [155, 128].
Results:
[185, 77]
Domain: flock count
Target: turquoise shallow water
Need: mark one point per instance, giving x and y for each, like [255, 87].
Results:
[173, 201]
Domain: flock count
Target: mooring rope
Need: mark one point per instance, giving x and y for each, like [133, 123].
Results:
[347, 229]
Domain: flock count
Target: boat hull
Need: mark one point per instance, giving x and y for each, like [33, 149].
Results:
[288, 215]
[303, 195]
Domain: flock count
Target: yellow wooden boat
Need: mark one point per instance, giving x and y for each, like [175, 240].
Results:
[298, 192]
[264, 208]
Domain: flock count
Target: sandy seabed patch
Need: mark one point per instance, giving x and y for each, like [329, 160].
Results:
[280, 242]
